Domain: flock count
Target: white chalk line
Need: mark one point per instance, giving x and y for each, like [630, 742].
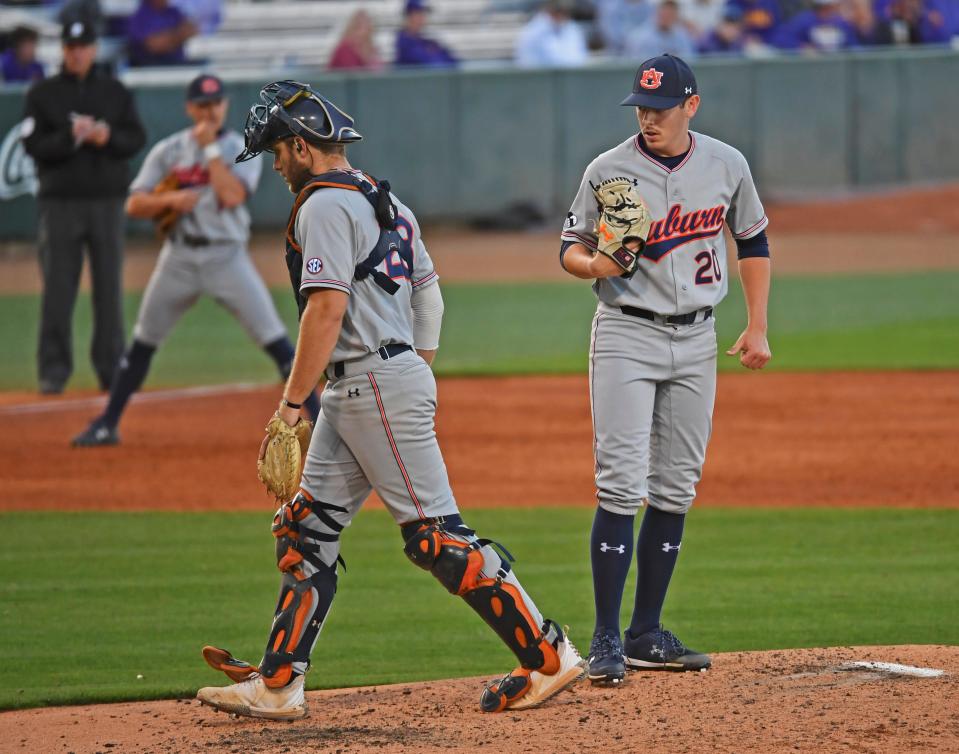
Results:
[891, 667]
[151, 396]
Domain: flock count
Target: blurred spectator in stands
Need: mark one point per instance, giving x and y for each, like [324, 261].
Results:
[661, 34]
[903, 22]
[822, 28]
[156, 34]
[207, 15]
[356, 49]
[552, 38]
[412, 47]
[19, 62]
[81, 127]
[860, 15]
[761, 19]
[617, 19]
[701, 16]
[727, 38]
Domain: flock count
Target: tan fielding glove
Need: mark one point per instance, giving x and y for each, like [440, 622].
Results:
[281, 456]
[623, 217]
[163, 223]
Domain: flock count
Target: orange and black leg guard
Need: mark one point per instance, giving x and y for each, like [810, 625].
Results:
[307, 588]
[452, 553]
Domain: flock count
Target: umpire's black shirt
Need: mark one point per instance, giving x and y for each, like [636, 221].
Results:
[64, 169]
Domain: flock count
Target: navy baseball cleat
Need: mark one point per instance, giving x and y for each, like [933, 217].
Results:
[605, 664]
[660, 649]
[95, 435]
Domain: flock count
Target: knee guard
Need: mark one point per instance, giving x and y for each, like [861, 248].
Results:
[458, 567]
[306, 590]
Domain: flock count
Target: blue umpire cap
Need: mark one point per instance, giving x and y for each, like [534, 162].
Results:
[661, 83]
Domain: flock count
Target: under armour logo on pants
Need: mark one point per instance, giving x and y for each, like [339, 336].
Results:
[353, 392]
[667, 547]
[603, 547]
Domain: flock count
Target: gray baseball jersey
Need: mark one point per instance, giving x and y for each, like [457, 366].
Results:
[336, 230]
[180, 155]
[652, 384]
[206, 252]
[683, 267]
[376, 424]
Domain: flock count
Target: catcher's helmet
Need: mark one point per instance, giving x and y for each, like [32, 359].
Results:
[293, 109]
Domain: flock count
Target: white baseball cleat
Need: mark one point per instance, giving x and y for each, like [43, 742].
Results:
[253, 698]
[572, 667]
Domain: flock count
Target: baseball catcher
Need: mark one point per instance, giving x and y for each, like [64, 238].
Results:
[370, 315]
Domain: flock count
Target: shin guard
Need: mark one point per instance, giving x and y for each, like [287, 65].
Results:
[307, 587]
[458, 566]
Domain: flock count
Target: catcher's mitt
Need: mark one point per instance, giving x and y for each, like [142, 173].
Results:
[166, 219]
[281, 456]
[623, 217]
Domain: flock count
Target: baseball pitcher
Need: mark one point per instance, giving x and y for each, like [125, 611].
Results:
[647, 226]
[371, 310]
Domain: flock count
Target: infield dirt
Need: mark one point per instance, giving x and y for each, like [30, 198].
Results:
[800, 700]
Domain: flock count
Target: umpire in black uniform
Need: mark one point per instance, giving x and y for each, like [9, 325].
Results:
[81, 129]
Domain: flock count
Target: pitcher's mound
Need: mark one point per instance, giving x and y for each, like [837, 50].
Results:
[862, 699]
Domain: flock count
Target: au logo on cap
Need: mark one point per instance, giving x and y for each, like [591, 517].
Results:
[209, 86]
[651, 79]
[76, 29]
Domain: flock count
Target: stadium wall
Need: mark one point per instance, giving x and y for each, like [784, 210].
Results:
[457, 144]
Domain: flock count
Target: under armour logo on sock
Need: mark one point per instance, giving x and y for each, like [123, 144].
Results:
[353, 392]
[621, 549]
[667, 547]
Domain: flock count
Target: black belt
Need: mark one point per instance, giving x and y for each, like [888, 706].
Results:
[188, 240]
[386, 353]
[671, 319]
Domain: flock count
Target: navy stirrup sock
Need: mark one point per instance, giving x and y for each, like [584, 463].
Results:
[657, 549]
[281, 351]
[611, 552]
[130, 374]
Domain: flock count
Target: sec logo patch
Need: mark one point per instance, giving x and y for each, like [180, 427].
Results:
[314, 265]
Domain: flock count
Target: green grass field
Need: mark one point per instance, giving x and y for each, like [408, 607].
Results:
[878, 322]
[89, 601]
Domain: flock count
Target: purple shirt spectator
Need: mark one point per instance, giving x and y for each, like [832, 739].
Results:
[761, 18]
[151, 18]
[823, 29]
[930, 22]
[412, 49]
[11, 69]
[19, 63]
[727, 38]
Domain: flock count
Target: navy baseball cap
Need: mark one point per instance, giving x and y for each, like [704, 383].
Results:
[414, 5]
[661, 83]
[205, 88]
[78, 33]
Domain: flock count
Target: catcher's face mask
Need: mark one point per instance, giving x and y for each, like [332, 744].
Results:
[290, 108]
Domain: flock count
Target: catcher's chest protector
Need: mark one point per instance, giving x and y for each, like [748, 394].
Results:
[377, 193]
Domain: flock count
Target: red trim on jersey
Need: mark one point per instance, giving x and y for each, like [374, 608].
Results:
[427, 279]
[396, 450]
[750, 229]
[692, 147]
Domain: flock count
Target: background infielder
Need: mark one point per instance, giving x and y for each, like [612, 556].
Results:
[653, 345]
[367, 294]
[190, 185]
